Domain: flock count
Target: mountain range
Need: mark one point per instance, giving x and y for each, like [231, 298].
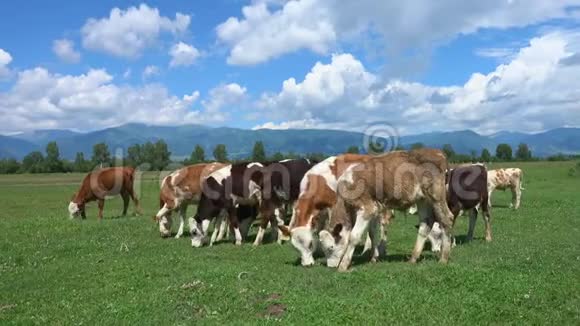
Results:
[239, 142]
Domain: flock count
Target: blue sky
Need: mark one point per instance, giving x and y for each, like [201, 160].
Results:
[414, 67]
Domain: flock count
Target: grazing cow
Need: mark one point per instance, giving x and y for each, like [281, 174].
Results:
[179, 190]
[266, 185]
[280, 186]
[466, 191]
[395, 180]
[102, 183]
[503, 179]
[317, 194]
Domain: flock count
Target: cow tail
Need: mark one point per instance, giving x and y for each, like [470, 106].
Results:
[522, 181]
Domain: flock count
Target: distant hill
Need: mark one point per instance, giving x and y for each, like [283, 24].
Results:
[14, 147]
[239, 142]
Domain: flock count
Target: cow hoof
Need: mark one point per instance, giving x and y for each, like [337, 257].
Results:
[178, 236]
[488, 239]
[342, 269]
[413, 261]
[238, 243]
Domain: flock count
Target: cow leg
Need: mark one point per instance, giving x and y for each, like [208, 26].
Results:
[234, 223]
[264, 221]
[435, 237]
[516, 195]
[472, 220]
[223, 228]
[361, 225]
[182, 212]
[125, 197]
[138, 209]
[280, 213]
[375, 233]
[101, 204]
[425, 226]
[445, 219]
[487, 219]
[217, 225]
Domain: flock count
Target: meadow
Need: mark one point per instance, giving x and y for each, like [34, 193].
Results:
[119, 271]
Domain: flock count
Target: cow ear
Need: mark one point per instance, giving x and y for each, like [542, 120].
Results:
[336, 230]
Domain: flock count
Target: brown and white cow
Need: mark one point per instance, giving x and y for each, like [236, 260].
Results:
[102, 183]
[395, 180]
[502, 179]
[179, 190]
[317, 195]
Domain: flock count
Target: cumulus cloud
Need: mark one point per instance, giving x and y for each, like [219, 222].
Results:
[40, 99]
[150, 71]
[183, 54]
[230, 96]
[64, 49]
[532, 92]
[126, 33]
[269, 29]
[261, 34]
[5, 59]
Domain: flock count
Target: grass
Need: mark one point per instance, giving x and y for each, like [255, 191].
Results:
[119, 271]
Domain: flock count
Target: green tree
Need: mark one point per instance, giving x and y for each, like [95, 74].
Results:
[485, 155]
[134, 155]
[52, 162]
[9, 166]
[101, 155]
[417, 146]
[448, 150]
[33, 163]
[220, 153]
[277, 157]
[375, 147]
[399, 148]
[503, 152]
[523, 152]
[197, 156]
[80, 164]
[258, 153]
[353, 150]
[161, 156]
[316, 157]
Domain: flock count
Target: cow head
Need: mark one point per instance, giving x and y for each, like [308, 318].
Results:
[198, 232]
[303, 241]
[75, 208]
[334, 244]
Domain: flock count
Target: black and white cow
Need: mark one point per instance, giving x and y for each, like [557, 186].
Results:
[266, 185]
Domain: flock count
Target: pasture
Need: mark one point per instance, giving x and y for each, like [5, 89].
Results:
[119, 271]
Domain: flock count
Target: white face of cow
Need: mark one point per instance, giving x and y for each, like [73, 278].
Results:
[333, 249]
[165, 226]
[198, 233]
[73, 209]
[303, 241]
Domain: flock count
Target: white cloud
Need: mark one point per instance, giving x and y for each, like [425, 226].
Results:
[64, 49]
[268, 29]
[150, 71]
[183, 54]
[127, 73]
[534, 91]
[126, 33]
[5, 59]
[261, 35]
[191, 98]
[230, 96]
[40, 100]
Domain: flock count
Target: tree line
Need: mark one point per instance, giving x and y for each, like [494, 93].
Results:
[156, 156]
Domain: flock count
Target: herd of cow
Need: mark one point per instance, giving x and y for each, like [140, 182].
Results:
[344, 199]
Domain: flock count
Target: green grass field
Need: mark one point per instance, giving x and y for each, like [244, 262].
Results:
[119, 271]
